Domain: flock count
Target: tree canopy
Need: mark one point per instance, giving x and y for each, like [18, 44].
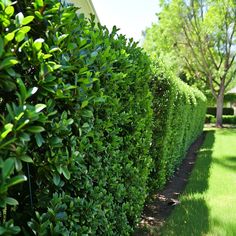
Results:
[198, 37]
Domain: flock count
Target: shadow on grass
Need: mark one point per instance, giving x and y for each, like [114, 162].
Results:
[228, 131]
[228, 163]
[226, 228]
[198, 181]
[191, 216]
[190, 219]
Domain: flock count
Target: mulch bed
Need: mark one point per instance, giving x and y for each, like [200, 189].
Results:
[156, 212]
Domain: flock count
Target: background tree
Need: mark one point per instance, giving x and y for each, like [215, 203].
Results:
[197, 37]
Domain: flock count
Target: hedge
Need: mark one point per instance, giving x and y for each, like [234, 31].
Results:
[227, 119]
[76, 123]
[80, 128]
[226, 111]
[179, 113]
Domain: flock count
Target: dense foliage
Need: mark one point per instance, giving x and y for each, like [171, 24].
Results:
[179, 112]
[226, 111]
[227, 119]
[76, 123]
[197, 38]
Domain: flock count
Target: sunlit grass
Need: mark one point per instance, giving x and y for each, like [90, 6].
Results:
[208, 205]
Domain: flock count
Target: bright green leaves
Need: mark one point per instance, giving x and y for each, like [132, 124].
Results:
[20, 35]
[38, 44]
[38, 3]
[8, 62]
[21, 20]
[78, 119]
[9, 10]
[7, 129]
[9, 37]
[27, 20]
[173, 97]
[39, 107]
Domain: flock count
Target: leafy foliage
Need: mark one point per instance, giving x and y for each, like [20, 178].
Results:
[179, 113]
[226, 111]
[197, 38]
[227, 119]
[76, 123]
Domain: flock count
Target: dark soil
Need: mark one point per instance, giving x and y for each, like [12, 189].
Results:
[156, 212]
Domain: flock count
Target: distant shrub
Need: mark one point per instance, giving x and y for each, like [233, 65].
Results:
[76, 123]
[226, 111]
[210, 119]
[179, 113]
[226, 119]
[229, 120]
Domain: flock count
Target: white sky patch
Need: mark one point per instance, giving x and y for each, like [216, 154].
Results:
[130, 16]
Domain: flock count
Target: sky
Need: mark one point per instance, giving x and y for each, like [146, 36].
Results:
[130, 16]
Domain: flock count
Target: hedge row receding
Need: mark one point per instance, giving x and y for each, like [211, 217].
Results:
[77, 123]
[82, 139]
[179, 113]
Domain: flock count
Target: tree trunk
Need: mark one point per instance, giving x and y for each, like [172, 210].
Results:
[219, 109]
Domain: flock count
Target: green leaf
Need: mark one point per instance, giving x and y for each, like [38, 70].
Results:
[16, 180]
[19, 116]
[65, 172]
[87, 114]
[8, 128]
[8, 62]
[39, 107]
[23, 90]
[84, 104]
[11, 72]
[11, 201]
[39, 139]
[19, 17]
[25, 137]
[8, 167]
[18, 165]
[9, 37]
[39, 3]
[9, 10]
[25, 29]
[56, 180]
[1, 46]
[36, 129]
[38, 15]
[62, 37]
[19, 36]
[54, 49]
[23, 124]
[32, 91]
[26, 159]
[38, 44]
[27, 20]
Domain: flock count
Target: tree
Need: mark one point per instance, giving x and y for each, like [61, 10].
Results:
[199, 37]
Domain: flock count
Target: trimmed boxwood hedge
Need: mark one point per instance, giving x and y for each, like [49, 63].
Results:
[226, 119]
[77, 140]
[179, 113]
[82, 139]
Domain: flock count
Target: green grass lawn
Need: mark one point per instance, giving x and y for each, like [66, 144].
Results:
[208, 205]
